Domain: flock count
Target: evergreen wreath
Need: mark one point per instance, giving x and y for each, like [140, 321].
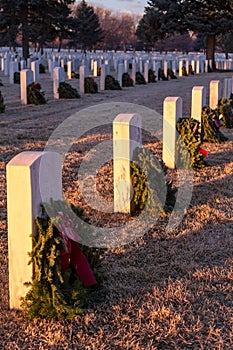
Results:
[225, 111]
[65, 90]
[184, 72]
[57, 293]
[151, 189]
[2, 105]
[161, 75]
[35, 95]
[140, 80]
[210, 125]
[90, 86]
[16, 77]
[189, 144]
[151, 76]
[42, 69]
[111, 83]
[126, 80]
[191, 71]
[171, 74]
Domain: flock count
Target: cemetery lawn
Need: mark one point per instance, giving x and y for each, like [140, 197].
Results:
[164, 290]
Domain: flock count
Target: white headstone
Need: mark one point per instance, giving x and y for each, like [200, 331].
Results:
[58, 77]
[82, 76]
[26, 78]
[227, 87]
[28, 63]
[174, 67]
[102, 77]
[127, 135]
[165, 68]
[134, 71]
[35, 70]
[95, 68]
[120, 73]
[6, 66]
[172, 112]
[14, 67]
[198, 102]
[215, 93]
[69, 69]
[198, 66]
[193, 64]
[126, 66]
[23, 205]
[23, 64]
[187, 66]
[146, 71]
[180, 68]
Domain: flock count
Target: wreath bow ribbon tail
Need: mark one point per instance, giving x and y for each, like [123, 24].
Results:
[71, 254]
[203, 152]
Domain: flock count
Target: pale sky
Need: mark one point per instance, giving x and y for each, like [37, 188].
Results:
[136, 6]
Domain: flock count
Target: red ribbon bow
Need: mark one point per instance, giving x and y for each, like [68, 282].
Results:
[72, 254]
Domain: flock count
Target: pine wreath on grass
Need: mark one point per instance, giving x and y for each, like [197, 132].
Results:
[191, 71]
[171, 74]
[151, 189]
[55, 294]
[42, 68]
[126, 80]
[151, 76]
[189, 144]
[65, 90]
[90, 86]
[161, 75]
[17, 78]
[226, 112]
[210, 125]
[184, 72]
[111, 83]
[35, 95]
[2, 105]
[140, 80]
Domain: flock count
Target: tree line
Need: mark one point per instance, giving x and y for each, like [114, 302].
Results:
[211, 19]
[43, 22]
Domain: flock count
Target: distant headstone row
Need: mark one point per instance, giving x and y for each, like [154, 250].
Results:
[62, 65]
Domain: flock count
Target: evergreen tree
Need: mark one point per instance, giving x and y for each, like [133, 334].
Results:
[50, 19]
[37, 21]
[86, 27]
[14, 20]
[166, 17]
[210, 17]
[162, 18]
[63, 20]
[9, 24]
[225, 41]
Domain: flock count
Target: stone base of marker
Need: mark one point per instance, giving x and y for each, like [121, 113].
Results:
[32, 178]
